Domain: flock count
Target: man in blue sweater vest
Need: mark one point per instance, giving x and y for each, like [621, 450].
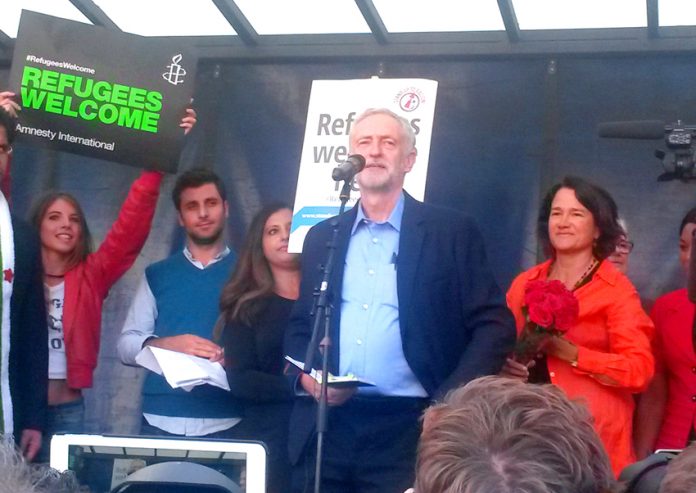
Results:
[176, 307]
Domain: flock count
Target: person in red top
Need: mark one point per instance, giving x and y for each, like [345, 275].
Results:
[666, 414]
[605, 357]
[76, 283]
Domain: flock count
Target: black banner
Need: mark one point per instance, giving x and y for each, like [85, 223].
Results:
[100, 93]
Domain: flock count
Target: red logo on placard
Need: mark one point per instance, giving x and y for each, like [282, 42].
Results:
[409, 99]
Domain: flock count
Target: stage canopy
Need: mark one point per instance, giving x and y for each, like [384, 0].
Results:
[282, 30]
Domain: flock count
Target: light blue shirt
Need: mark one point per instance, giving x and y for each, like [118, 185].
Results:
[370, 341]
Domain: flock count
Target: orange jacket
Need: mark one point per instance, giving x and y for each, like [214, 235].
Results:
[88, 283]
[614, 356]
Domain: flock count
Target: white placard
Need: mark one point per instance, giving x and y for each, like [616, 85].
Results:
[333, 107]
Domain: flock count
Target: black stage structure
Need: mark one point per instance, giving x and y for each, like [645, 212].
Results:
[516, 111]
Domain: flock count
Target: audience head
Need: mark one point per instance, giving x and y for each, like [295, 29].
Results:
[265, 251]
[681, 472]
[624, 247]
[200, 198]
[501, 435]
[7, 135]
[8, 123]
[18, 476]
[62, 226]
[586, 209]
[387, 142]
[686, 233]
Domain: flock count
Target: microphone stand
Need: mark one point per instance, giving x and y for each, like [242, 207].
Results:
[322, 316]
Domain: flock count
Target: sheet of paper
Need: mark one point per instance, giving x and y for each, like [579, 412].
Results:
[182, 370]
[334, 381]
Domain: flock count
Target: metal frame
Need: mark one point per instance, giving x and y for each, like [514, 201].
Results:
[512, 27]
[238, 21]
[653, 18]
[6, 43]
[380, 45]
[95, 14]
[374, 21]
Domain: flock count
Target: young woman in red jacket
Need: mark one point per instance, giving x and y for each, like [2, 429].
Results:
[76, 282]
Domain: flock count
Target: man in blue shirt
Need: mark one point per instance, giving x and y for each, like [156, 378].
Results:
[417, 312]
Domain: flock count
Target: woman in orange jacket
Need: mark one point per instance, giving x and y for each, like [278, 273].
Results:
[605, 357]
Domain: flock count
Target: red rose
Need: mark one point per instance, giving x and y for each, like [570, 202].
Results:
[534, 298]
[534, 292]
[556, 288]
[540, 314]
[566, 317]
[535, 285]
[549, 304]
[555, 302]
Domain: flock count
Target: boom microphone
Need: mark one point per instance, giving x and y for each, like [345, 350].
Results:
[640, 129]
[347, 170]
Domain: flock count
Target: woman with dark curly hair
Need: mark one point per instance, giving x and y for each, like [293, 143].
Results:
[605, 356]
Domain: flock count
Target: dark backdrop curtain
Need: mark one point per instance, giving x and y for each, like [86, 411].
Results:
[505, 130]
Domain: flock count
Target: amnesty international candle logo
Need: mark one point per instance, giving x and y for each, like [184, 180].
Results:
[100, 93]
[176, 73]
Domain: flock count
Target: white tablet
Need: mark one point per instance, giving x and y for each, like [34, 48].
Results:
[102, 462]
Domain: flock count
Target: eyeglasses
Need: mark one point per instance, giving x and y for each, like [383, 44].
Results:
[5, 149]
[624, 246]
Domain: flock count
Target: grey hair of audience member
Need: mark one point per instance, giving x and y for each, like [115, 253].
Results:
[681, 472]
[19, 476]
[501, 435]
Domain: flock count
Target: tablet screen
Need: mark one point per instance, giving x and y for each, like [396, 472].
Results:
[104, 462]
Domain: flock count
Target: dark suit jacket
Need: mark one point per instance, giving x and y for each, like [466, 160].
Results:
[28, 333]
[453, 319]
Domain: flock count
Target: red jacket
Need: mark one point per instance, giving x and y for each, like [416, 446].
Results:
[614, 356]
[673, 315]
[88, 283]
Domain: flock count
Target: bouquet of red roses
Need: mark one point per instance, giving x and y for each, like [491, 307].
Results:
[550, 309]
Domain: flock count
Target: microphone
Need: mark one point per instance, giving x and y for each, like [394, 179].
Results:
[347, 170]
[640, 129]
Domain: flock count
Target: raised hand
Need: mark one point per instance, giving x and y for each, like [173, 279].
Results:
[8, 104]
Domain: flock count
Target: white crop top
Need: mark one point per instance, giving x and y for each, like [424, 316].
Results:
[57, 364]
